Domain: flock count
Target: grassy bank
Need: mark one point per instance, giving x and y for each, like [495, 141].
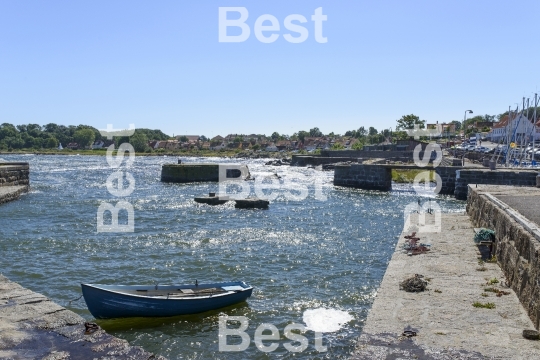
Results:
[407, 176]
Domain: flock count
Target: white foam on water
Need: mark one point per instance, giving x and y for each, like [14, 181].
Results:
[325, 320]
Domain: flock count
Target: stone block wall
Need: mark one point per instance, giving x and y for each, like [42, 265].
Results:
[369, 177]
[13, 174]
[369, 154]
[516, 248]
[187, 173]
[448, 177]
[464, 177]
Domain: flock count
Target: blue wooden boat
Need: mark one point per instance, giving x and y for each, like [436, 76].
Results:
[117, 301]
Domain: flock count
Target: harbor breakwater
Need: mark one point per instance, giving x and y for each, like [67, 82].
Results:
[196, 172]
[14, 180]
[454, 179]
[379, 177]
[13, 174]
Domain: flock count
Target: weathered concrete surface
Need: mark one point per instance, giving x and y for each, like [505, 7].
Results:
[34, 327]
[252, 203]
[448, 325]
[379, 176]
[187, 173]
[515, 177]
[10, 193]
[13, 174]
[211, 200]
[14, 180]
[517, 237]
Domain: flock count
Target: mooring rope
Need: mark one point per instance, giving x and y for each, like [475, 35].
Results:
[77, 299]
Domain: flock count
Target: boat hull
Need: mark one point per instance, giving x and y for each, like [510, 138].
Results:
[108, 303]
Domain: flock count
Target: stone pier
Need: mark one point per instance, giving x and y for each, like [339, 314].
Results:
[455, 179]
[14, 180]
[515, 177]
[447, 324]
[368, 177]
[514, 214]
[188, 173]
[34, 327]
[379, 176]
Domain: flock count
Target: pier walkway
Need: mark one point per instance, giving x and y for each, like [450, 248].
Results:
[448, 324]
[34, 327]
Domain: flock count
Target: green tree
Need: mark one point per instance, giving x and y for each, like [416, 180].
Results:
[372, 131]
[119, 140]
[408, 121]
[400, 135]
[139, 142]
[8, 130]
[315, 132]
[275, 136]
[51, 143]
[302, 135]
[182, 138]
[84, 137]
[457, 124]
[361, 132]
[338, 146]
[358, 145]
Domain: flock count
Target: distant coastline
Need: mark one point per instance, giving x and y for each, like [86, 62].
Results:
[199, 153]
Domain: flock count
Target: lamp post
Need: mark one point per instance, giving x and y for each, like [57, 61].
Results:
[464, 119]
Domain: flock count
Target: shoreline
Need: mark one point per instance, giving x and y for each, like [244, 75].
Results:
[228, 155]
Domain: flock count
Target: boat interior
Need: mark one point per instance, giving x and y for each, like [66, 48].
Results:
[167, 292]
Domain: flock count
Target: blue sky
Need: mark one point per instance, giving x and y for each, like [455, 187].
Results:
[159, 64]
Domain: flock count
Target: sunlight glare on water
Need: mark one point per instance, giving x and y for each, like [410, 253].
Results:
[310, 261]
[325, 320]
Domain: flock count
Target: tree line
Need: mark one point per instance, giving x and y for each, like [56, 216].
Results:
[35, 136]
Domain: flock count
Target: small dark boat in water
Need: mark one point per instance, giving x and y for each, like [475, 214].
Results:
[117, 301]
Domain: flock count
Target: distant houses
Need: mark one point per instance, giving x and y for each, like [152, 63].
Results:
[253, 142]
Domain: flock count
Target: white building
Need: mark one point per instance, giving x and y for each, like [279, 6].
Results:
[517, 128]
[98, 144]
[220, 146]
[272, 147]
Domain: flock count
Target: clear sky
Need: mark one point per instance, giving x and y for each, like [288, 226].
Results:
[159, 64]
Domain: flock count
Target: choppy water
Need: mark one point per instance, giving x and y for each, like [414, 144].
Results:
[300, 256]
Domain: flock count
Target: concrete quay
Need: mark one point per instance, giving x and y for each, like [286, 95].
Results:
[34, 327]
[189, 173]
[448, 325]
[512, 212]
[14, 180]
[455, 180]
[10, 193]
